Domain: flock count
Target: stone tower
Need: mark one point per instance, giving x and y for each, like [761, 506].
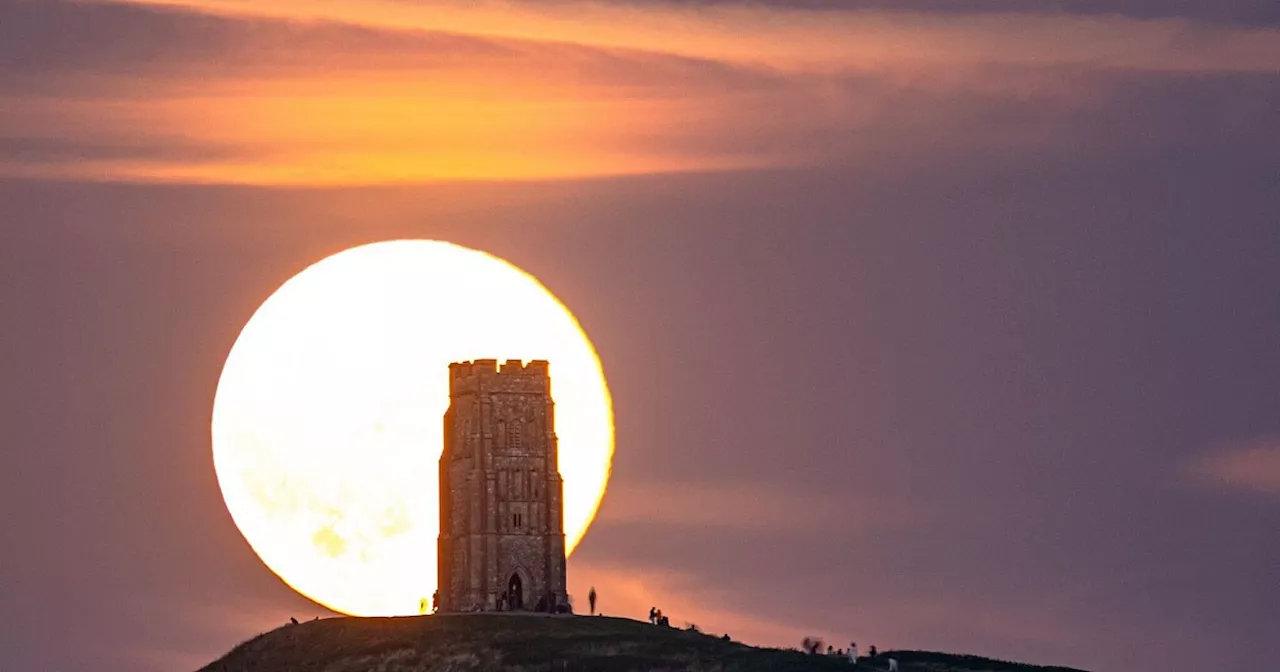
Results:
[501, 498]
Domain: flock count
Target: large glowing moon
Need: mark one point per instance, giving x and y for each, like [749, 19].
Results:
[328, 419]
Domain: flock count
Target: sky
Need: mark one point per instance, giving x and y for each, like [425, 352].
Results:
[935, 325]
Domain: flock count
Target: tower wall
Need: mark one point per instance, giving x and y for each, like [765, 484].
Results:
[501, 496]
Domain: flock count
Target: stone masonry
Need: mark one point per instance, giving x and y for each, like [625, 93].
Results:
[501, 497]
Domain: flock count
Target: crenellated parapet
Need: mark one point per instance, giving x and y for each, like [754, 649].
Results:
[485, 375]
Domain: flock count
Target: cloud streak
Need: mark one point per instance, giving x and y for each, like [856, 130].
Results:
[1252, 467]
[754, 506]
[356, 92]
[685, 598]
[795, 39]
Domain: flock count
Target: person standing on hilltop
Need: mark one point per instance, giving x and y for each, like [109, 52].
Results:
[853, 652]
[591, 598]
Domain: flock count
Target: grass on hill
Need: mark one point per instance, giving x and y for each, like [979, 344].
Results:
[526, 643]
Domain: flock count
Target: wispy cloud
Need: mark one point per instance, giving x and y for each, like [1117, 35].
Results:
[783, 37]
[686, 599]
[265, 101]
[752, 611]
[383, 91]
[755, 506]
[1253, 466]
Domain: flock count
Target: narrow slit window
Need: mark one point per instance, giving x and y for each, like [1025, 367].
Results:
[514, 440]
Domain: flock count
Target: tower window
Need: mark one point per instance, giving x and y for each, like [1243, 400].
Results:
[517, 520]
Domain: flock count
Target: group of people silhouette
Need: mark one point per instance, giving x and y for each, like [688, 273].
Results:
[810, 645]
[813, 646]
[657, 618]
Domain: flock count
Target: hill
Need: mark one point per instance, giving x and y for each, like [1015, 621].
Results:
[528, 643]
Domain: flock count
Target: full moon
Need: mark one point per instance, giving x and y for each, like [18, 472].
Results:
[328, 417]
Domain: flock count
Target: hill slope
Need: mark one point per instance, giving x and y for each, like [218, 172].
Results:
[520, 643]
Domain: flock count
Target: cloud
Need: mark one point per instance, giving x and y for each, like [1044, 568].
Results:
[630, 591]
[59, 150]
[1251, 467]
[128, 93]
[753, 506]
[358, 92]
[1254, 12]
[782, 37]
[158, 44]
[779, 604]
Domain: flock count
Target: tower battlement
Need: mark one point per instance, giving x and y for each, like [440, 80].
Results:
[485, 375]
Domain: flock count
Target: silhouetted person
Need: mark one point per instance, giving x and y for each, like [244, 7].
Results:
[872, 651]
[653, 615]
[293, 620]
[591, 598]
[853, 652]
[726, 637]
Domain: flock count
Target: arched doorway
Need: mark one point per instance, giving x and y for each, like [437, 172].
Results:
[515, 593]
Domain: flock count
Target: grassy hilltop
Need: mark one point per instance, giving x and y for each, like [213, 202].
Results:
[523, 643]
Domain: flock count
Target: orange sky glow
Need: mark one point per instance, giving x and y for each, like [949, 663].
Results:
[569, 90]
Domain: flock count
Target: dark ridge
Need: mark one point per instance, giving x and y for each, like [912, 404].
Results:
[534, 643]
